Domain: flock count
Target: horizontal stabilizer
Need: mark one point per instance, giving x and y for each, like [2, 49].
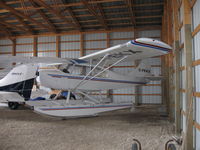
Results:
[154, 78]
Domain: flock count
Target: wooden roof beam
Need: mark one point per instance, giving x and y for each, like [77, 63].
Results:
[90, 2]
[45, 18]
[12, 10]
[12, 26]
[21, 21]
[6, 31]
[129, 4]
[93, 12]
[69, 10]
[102, 14]
[57, 13]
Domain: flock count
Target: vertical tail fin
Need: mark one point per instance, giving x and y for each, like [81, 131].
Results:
[20, 79]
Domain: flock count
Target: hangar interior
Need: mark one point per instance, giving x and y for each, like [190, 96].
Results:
[74, 28]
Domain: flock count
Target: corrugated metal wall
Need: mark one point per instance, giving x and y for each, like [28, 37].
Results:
[5, 47]
[47, 46]
[196, 57]
[24, 47]
[70, 47]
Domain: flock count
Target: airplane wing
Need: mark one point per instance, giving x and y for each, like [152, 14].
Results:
[9, 60]
[134, 50]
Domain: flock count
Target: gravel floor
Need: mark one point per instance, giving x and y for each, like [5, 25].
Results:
[24, 130]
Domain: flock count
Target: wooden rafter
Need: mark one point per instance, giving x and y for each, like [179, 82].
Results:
[5, 31]
[129, 4]
[93, 2]
[102, 14]
[45, 18]
[12, 26]
[21, 21]
[57, 13]
[79, 4]
[12, 10]
[69, 10]
[93, 12]
[82, 21]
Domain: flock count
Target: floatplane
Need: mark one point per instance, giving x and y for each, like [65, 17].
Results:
[88, 73]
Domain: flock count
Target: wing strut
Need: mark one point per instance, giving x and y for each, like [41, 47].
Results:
[81, 83]
[91, 71]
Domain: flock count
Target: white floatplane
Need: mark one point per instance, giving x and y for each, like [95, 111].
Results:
[77, 76]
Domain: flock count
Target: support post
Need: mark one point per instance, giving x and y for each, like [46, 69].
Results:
[109, 92]
[58, 53]
[176, 68]
[138, 88]
[82, 53]
[188, 139]
[14, 47]
[35, 46]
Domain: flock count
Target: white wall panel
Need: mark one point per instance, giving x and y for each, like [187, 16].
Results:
[24, 48]
[197, 78]
[70, 46]
[184, 124]
[151, 89]
[196, 14]
[5, 48]
[196, 56]
[4, 42]
[114, 35]
[75, 37]
[70, 54]
[24, 40]
[182, 34]
[95, 36]
[181, 14]
[196, 46]
[197, 139]
[151, 99]
[183, 78]
[123, 99]
[183, 98]
[44, 47]
[95, 44]
[47, 39]
[149, 33]
[197, 109]
[24, 54]
[182, 58]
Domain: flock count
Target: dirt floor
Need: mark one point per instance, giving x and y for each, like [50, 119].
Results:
[24, 130]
